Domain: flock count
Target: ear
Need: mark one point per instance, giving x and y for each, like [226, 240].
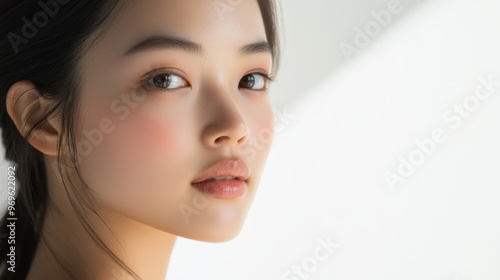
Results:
[25, 107]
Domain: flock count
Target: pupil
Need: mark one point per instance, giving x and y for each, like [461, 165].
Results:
[159, 81]
[250, 82]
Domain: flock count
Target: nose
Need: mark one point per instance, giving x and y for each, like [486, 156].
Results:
[227, 124]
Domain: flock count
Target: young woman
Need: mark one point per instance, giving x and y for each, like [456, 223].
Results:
[129, 123]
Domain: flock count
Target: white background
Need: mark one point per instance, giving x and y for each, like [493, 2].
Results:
[349, 122]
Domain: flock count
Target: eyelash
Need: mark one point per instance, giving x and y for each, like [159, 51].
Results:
[144, 83]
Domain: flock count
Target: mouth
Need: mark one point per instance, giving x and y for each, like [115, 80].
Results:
[223, 189]
[227, 179]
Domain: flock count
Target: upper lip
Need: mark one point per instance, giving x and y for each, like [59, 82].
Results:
[225, 168]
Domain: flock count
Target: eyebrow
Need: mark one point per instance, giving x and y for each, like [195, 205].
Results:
[171, 42]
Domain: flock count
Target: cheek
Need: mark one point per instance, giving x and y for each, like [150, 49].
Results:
[260, 139]
[134, 156]
[264, 131]
[144, 137]
[149, 135]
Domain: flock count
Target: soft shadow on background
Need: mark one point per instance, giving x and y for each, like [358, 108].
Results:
[386, 155]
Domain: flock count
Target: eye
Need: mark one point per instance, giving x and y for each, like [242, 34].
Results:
[255, 81]
[167, 81]
[163, 80]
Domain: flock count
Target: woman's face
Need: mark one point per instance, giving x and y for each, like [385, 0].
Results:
[153, 119]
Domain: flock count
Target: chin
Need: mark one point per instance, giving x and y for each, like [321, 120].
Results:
[214, 233]
[218, 237]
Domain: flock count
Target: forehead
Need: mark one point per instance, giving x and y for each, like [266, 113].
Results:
[211, 23]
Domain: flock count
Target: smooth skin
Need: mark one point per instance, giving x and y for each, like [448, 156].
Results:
[155, 142]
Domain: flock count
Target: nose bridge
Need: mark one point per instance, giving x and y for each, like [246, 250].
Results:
[222, 110]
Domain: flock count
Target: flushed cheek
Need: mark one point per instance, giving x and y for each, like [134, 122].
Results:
[146, 137]
[151, 134]
[137, 154]
[261, 138]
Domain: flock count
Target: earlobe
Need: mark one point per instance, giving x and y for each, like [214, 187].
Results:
[26, 107]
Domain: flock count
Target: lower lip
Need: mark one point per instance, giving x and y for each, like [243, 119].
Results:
[225, 189]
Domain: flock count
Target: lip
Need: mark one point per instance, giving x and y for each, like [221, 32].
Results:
[225, 168]
[224, 189]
